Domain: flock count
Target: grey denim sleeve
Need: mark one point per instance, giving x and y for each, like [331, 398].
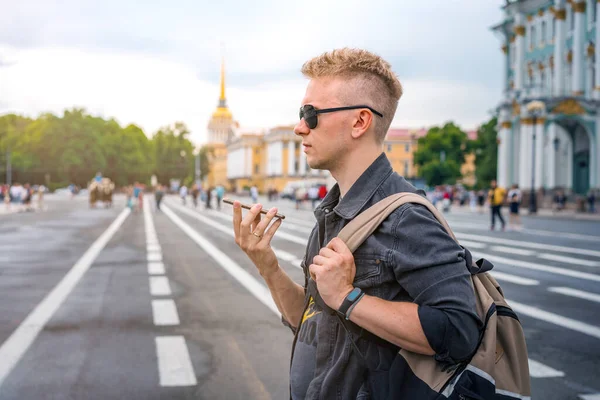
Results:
[430, 266]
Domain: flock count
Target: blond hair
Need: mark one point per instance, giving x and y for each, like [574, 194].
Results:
[370, 76]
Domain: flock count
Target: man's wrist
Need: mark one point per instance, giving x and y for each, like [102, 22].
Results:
[270, 272]
[345, 294]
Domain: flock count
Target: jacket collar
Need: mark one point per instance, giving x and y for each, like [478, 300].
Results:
[361, 191]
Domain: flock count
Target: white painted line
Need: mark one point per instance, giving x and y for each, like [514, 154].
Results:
[531, 245]
[156, 268]
[289, 223]
[576, 293]
[19, 341]
[539, 370]
[538, 267]
[153, 248]
[512, 250]
[164, 312]
[595, 396]
[555, 319]
[244, 278]
[569, 260]
[174, 363]
[228, 230]
[153, 257]
[159, 286]
[472, 245]
[514, 279]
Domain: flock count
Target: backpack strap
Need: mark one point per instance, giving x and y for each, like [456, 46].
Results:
[365, 223]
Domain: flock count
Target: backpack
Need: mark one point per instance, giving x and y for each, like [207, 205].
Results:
[498, 369]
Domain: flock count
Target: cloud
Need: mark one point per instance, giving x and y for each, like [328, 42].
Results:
[158, 63]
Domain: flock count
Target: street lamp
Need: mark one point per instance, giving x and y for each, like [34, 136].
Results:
[536, 109]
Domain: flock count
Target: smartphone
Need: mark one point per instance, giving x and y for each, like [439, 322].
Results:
[247, 207]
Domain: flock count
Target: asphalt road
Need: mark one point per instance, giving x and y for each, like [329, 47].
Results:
[107, 304]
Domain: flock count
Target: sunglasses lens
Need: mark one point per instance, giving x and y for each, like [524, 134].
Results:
[311, 121]
[310, 116]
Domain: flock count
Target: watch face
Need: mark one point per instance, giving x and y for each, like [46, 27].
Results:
[353, 295]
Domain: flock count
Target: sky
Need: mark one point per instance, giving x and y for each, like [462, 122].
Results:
[156, 62]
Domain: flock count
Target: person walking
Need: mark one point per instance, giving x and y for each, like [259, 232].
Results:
[514, 198]
[407, 285]
[220, 192]
[158, 195]
[496, 197]
[183, 192]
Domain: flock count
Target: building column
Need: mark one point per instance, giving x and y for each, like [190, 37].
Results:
[519, 51]
[540, 135]
[515, 144]
[578, 48]
[525, 154]
[291, 158]
[302, 166]
[551, 157]
[505, 82]
[503, 154]
[560, 15]
[597, 51]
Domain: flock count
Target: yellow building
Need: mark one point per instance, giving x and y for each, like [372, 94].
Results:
[221, 131]
[245, 163]
[399, 146]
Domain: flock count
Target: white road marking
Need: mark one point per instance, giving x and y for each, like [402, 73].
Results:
[164, 312]
[514, 279]
[244, 278]
[159, 286]
[485, 227]
[472, 245]
[153, 257]
[153, 248]
[531, 245]
[19, 341]
[539, 370]
[512, 250]
[555, 319]
[595, 396]
[156, 268]
[174, 363]
[538, 267]
[569, 260]
[576, 293]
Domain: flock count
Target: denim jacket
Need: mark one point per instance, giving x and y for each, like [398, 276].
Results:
[409, 258]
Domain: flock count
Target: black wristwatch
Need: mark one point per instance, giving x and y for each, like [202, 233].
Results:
[352, 297]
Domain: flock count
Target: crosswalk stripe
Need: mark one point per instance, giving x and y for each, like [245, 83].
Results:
[159, 286]
[164, 312]
[153, 248]
[512, 250]
[577, 236]
[241, 275]
[539, 370]
[595, 396]
[174, 363]
[531, 245]
[538, 267]
[501, 276]
[156, 268]
[555, 319]
[569, 260]
[473, 245]
[153, 257]
[576, 293]
[21, 339]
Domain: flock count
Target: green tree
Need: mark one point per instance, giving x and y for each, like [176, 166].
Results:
[441, 153]
[486, 153]
[173, 153]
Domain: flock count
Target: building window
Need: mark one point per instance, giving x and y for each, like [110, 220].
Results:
[553, 30]
[543, 32]
[532, 39]
[389, 148]
[407, 147]
[570, 19]
[256, 169]
[406, 168]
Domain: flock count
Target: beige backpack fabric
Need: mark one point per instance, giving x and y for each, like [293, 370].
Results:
[498, 369]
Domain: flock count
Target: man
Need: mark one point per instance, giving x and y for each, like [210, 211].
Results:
[418, 292]
[496, 197]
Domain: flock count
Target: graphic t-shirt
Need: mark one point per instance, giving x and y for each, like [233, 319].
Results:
[305, 353]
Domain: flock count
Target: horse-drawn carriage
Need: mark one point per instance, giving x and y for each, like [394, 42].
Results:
[101, 191]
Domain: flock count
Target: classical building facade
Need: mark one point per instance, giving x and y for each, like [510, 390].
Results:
[552, 49]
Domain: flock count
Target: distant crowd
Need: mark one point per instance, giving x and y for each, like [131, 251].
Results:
[22, 196]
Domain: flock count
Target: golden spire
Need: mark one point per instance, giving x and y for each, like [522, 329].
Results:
[222, 98]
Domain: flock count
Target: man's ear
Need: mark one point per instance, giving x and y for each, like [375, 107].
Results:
[362, 122]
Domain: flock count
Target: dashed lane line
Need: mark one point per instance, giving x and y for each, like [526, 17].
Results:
[174, 363]
[21, 339]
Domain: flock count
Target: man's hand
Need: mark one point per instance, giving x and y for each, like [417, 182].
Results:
[333, 270]
[254, 235]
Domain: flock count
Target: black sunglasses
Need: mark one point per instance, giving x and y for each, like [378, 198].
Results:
[309, 113]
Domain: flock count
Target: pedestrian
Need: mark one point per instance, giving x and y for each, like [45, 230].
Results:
[481, 200]
[412, 291]
[158, 195]
[514, 198]
[195, 193]
[220, 192]
[591, 201]
[183, 192]
[254, 193]
[496, 199]
[209, 197]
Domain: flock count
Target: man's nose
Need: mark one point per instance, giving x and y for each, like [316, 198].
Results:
[301, 128]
